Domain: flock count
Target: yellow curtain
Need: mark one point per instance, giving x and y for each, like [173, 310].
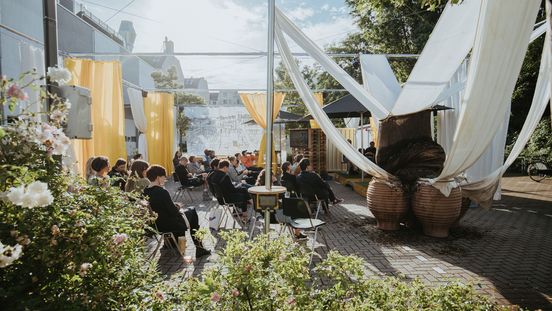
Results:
[159, 110]
[104, 79]
[374, 130]
[255, 103]
[320, 99]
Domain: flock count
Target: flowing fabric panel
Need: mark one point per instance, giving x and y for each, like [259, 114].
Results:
[137, 108]
[446, 48]
[499, 50]
[159, 110]
[32, 58]
[332, 133]
[143, 146]
[320, 100]
[104, 79]
[379, 79]
[370, 102]
[255, 103]
[482, 191]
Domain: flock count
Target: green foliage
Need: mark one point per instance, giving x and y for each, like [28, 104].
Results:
[539, 146]
[273, 274]
[82, 246]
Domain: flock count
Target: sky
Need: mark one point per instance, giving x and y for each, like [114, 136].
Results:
[222, 26]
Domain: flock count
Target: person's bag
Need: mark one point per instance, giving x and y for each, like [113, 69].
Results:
[215, 216]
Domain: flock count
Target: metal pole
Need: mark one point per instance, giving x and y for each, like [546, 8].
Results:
[49, 8]
[362, 140]
[269, 104]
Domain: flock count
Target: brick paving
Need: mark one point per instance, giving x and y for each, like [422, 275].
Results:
[505, 251]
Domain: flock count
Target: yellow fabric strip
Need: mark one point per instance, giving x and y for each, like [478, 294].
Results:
[104, 79]
[159, 111]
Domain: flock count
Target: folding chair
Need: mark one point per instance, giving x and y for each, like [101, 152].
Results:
[184, 190]
[160, 239]
[229, 208]
[313, 200]
[299, 216]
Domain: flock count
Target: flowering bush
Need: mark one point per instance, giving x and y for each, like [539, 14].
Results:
[273, 275]
[64, 244]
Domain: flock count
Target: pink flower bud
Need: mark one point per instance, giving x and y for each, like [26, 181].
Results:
[215, 297]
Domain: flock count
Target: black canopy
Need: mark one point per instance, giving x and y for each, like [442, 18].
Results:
[284, 117]
[345, 107]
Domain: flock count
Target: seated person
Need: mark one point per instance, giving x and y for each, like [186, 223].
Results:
[119, 174]
[169, 218]
[288, 179]
[231, 194]
[235, 176]
[214, 165]
[311, 184]
[370, 152]
[100, 168]
[137, 180]
[193, 166]
[295, 169]
[186, 178]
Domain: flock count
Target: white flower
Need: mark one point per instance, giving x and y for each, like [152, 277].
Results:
[9, 254]
[84, 268]
[119, 238]
[16, 195]
[59, 75]
[67, 104]
[37, 187]
[35, 194]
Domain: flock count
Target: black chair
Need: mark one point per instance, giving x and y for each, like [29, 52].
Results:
[184, 189]
[299, 216]
[319, 204]
[229, 207]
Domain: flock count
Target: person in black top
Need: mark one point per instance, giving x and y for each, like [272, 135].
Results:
[288, 179]
[370, 152]
[185, 177]
[231, 194]
[311, 184]
[169, 218]
[119, 174]
[213, 167]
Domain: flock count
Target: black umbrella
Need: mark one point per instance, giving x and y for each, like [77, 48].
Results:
[284, 117]
[345, 107]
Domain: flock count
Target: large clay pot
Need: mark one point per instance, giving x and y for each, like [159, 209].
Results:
[388, 203]
[436, 212]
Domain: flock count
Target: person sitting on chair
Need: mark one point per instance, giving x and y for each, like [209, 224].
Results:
[288, 179]
[137, 180]
[186, 178]
[295, 169]
[169, 218]
[235, 176]
[311, 184]
[193, 166]
[100, 168]
[119, 174]
[231, 194]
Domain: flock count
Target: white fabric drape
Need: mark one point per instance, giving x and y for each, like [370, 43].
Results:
[364, 97]
[316, 111]
[143, 146]
[538, 32]
[481, 191]
[446, 49]
[379, 79]
[137, 107]
[504, 26]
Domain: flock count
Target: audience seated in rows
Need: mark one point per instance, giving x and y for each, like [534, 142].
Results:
[169, 218]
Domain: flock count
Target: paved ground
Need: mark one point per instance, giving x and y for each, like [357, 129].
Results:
[505, 251]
